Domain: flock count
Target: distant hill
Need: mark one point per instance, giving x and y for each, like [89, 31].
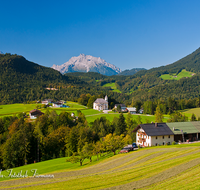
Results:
[22, 80]
[131, 72]
[87, 63]
[190, 62]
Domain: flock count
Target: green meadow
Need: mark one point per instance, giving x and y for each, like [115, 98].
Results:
[110, 116]
[11, 109]
[189, 112]
[112, 86]
[162, 167]
[182, 74]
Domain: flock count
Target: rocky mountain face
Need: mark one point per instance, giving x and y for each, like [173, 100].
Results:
[87, 63]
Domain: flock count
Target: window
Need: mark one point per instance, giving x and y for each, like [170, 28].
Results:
[163, 137]
[163, 143]
[156, 144]
[169, 136]
[156, 138]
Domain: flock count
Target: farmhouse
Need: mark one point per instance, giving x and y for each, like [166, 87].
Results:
[101, 104]
[131, 110]
[47, 101]
[35, 113]
[57, 104]
[154, 134]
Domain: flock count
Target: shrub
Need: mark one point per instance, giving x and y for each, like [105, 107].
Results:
[173, 143]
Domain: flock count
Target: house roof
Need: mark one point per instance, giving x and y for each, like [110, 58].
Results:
[36, 112]
[101, 101]
[152, 130]
[131, 109]
[186, 127]
[58, 103]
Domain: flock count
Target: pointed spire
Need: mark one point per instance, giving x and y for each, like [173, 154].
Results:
[106, 98]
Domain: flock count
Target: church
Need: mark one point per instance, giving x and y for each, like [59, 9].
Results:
[101, 104]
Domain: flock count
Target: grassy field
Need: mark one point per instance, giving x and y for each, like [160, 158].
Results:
[112, 86]
[163, 167]
[12, 109]
[110, 116]
[189, 112]
[182, 74]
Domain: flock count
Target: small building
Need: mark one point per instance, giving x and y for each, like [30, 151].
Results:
[57, 104]
[123, 107]
[141, 111]
[131, 110]
[153, 134]
[34, 114]
[47, 101]
[101, 104]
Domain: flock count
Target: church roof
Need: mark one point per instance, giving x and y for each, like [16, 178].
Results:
[101, 101]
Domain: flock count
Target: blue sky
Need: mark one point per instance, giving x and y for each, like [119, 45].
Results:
[129, 34]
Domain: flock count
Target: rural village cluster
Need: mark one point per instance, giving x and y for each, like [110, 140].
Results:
[151, 134]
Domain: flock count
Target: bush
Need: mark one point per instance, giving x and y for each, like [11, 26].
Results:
[173, 143]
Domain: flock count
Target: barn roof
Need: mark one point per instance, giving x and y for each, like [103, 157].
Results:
[184, 127]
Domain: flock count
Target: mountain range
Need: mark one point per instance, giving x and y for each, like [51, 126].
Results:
[87, 63]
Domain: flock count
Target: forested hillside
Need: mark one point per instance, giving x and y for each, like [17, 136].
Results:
[24, 81]
[191, 63]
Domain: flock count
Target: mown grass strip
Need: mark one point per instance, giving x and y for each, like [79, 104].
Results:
[99, 181]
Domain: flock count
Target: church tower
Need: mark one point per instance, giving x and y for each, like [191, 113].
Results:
[106, 98]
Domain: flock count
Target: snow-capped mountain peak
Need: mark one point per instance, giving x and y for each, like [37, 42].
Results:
[87, 63]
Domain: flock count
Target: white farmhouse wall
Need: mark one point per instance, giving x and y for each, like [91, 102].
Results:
[152, 140]
[159, 140]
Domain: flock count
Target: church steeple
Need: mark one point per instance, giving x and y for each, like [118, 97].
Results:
[106, 98]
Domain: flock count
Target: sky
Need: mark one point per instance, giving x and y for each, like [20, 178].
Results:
[129, 34]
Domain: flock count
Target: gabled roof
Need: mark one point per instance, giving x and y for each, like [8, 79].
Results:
[186, 127]
[151, 129]
[131, 109]
[36, 112]
[101, 101]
